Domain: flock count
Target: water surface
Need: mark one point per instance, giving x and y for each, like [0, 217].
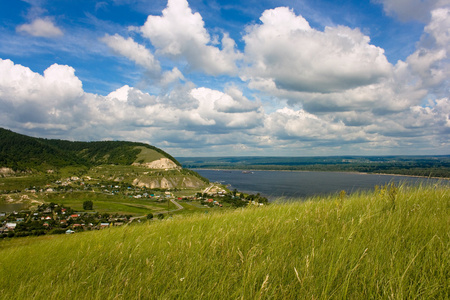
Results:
[296, 184]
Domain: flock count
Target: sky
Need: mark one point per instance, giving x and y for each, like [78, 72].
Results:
[231, 78]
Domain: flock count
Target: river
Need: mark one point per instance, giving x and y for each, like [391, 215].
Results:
[296, 184]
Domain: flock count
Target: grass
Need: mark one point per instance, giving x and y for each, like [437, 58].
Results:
[148, 155]
[20, 183]
[104, 203]
[392, 243]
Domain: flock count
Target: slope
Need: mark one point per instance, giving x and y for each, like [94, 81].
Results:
[392, 243]
[21, 152]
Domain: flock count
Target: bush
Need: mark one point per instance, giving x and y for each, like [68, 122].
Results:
[88, 205]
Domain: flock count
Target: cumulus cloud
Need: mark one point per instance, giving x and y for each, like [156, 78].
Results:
[424, 74]
[299, 58]
[133, 51]
[430, 62]
[48, 101]
[41, 27]
[56, 100]
[179, 33]
[288, 124]
[58, 84]
[314, 90]
[408, 10]
[171, 76]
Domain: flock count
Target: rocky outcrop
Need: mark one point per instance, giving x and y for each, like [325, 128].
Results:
[6, 172]
[169, 183]
[161, 164]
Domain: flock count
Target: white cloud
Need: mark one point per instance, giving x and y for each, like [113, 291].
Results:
[299, 58]
[315, 90]
[407, 10]
[55, 105]
[429, 65]
[132, 50]
[41, 28]
[19, 84]
[171, 76]
[287, 123]
[46, 101]
[179, 33]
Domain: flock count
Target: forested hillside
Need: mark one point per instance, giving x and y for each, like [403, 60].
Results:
[20, 152]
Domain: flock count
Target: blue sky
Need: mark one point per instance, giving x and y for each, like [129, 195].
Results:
[211, 78]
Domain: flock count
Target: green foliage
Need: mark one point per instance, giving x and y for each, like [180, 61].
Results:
[311, 250]
[88, 205]
[429, 166]
[23, 153]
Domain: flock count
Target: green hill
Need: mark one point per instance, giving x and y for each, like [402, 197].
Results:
[45, 161]
[392, 243]
[24, 153]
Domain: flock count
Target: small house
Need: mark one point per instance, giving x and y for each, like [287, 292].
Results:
[11, 226]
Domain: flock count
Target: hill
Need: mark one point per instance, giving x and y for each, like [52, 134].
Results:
[391, 243]
[132, 163]
[21, 152]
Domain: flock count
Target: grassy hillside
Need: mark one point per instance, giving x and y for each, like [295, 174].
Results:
[391, 243]
[21, 152]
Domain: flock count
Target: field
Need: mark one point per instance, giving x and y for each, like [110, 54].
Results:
[390, 243]
[108, 186]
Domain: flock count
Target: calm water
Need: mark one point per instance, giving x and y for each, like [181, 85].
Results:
[275, 184]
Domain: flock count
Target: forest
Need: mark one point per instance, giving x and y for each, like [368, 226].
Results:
[429, 166]
[23, 153]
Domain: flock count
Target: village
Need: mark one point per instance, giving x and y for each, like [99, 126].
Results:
[56, 218]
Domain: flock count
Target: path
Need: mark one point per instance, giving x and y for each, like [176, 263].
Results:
[178, 205]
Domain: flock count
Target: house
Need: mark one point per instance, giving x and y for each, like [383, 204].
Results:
[69, 231]
[104, 225]
[10, 226]
[74, 216]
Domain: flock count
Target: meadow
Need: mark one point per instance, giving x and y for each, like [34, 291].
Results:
[389, 243]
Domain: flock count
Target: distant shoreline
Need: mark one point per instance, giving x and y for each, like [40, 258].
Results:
[346, 172]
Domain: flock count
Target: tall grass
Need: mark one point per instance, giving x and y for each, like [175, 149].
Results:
[392, 243]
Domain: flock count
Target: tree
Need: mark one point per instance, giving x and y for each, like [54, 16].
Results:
[150, 216]
[88, 205]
